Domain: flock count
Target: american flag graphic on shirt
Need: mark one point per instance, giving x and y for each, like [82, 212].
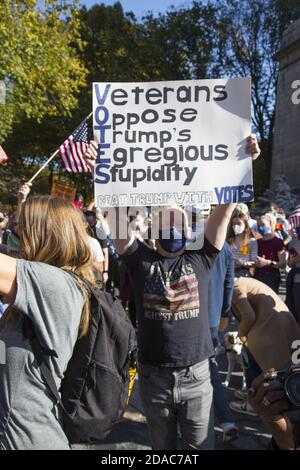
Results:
[172, 296]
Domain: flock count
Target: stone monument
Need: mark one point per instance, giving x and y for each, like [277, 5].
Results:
[281, 194]
[286, 149]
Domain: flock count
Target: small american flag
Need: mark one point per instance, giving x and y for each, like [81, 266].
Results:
[3, 156]
[72, 150]
[294, 218]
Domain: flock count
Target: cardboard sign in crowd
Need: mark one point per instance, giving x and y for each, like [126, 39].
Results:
[64, 190]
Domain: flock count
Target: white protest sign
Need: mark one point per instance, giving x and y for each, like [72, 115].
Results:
[179, 142]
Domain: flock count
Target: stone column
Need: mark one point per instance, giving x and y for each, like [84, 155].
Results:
[286, 149]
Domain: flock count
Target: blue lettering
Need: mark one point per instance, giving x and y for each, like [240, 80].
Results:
[250, 192]
[101, 100]
[99, 121]
[219, 194]
[228, 194]
[236, 193]
[101, 152]
[102, 177]
[102, 136]
[101, 118]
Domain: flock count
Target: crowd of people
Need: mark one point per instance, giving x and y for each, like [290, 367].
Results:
[181, 298]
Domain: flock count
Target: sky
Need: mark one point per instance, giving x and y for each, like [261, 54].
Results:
[140, 7]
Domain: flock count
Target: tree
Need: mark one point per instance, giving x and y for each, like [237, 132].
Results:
[251, 32]
[182, 44]
[211, 39]
[110, 48]
[38, 60]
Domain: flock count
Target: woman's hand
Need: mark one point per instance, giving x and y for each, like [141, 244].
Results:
[23, 192]
[261, 262]
[238, 263]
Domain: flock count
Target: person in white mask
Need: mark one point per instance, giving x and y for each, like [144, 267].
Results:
[242, 244]
[241, 207]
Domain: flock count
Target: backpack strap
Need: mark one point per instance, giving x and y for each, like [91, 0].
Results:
[42, 357]
[94, 291]
[80, 280]
[45, 370]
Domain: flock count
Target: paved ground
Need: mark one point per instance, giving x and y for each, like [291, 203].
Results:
[131, 433]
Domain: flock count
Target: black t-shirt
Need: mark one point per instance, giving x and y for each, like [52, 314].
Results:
[103, 242]
[171, 296]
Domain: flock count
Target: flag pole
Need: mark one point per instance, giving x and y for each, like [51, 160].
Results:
[43, 166]
[52, 156]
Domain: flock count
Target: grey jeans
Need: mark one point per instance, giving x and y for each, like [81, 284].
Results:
[178, 396]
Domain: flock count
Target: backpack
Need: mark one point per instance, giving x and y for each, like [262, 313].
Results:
[99, 376]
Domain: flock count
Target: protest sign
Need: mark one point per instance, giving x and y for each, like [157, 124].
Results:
[179, 142]
[63, 189]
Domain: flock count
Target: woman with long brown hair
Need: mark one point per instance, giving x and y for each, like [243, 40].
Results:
[54, 240]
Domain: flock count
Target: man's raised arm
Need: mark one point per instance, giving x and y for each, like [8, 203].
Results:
[216, 228]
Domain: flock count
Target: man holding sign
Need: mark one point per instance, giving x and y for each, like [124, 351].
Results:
[171, 296]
